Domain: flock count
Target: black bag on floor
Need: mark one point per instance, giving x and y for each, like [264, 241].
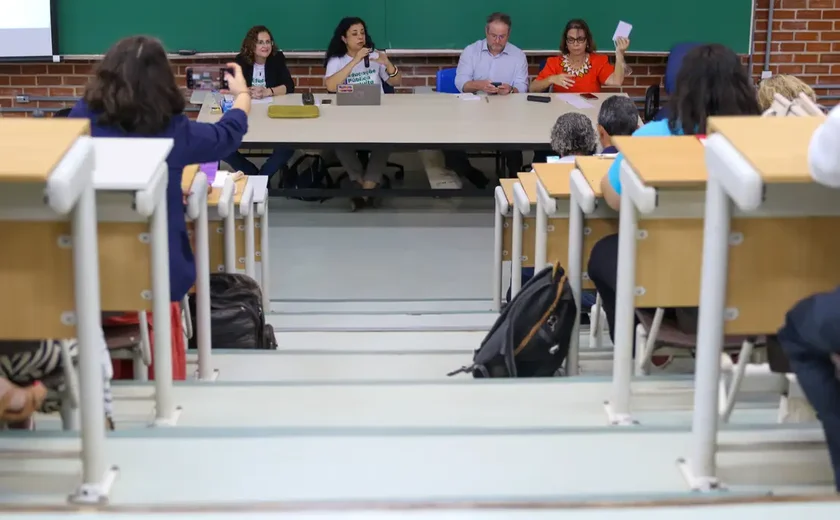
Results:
[237, 320]
[531, 336]
[308, 172]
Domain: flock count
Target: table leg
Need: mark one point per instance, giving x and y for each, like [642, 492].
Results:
[516, 253]
[498, 240]
[574, 274]
[264, 256]
[618, 408]
[230, 240]
[203, 332]
[164, 407]
[91, 340]
[250, 244]
[700, 469]
[541, 238]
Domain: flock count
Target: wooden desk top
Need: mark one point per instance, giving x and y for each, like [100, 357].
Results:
[528, 180]
[507, 187]
[30, 149]
[777, 147]
[413, 120]
[187, 176]
[555, 178]
[594, 169]
[213, 196]
[665, 162]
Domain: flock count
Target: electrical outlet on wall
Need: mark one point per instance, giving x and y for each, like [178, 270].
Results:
[766, 74]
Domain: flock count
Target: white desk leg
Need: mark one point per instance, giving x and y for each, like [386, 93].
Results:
[230, 240]
[96, 477]
[516, 253]
[574, 273]
[203, 333]
[541, 239]
[264, 256]
[618, 407]
[165, 413]
[699, 471]
[250, 244]
[498, 240]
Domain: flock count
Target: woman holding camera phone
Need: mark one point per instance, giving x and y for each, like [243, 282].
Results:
[351, 60]
[265, 71]
[134, 94]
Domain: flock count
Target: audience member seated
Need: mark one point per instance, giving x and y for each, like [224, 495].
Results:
[266, 74]
[573, 135]
[810, 336]
[618, 116]
[788, 86]
[579, 68]
[494, 66]
[344, 61]
[711, 82]
[134, 94]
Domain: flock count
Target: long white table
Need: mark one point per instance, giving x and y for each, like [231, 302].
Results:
[412, 121]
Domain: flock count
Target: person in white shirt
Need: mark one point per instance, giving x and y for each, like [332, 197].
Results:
[823, 157]
[351, 59]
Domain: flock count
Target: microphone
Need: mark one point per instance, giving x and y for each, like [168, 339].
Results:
[367, 61]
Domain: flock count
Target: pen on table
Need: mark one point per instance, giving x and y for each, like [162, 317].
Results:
[486, 99]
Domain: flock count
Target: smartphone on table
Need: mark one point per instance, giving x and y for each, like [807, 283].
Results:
[208, 78]
[587, 95]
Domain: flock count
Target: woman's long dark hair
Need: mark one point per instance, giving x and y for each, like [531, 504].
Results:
[249, 43]
[337, 47]
[711, 82]
[134, 88]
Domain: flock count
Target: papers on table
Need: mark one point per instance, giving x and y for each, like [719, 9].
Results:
[263, 101]
[468, 96]
[575, 100]
[622, 31]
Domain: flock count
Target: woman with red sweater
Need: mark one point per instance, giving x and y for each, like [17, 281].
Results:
[579, 68]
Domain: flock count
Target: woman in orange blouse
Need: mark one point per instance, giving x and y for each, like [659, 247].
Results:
[579, 68]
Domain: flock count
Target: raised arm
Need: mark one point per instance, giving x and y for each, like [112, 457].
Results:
[823, 154]
[616, 78]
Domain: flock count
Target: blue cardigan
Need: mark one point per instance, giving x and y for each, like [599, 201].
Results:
[194, 143]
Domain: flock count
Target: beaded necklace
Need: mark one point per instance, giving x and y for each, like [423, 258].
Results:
[576, 71]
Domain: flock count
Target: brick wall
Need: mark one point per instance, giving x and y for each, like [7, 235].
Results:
[806, 42]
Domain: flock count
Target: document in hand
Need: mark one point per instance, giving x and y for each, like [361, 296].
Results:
[622, 31]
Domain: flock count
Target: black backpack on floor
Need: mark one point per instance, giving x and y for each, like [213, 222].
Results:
[531, 336]
[237, 320]
[308, 172]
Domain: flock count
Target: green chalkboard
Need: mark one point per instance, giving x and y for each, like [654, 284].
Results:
[91, 26]
[537, 24]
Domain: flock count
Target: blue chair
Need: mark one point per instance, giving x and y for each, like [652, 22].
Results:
[445, 82]
[653, 110]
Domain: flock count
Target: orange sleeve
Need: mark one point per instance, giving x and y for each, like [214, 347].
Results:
[552, 67]
[603, 67]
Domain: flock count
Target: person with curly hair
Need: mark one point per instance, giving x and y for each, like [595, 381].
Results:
[573, 134]
[267, 75]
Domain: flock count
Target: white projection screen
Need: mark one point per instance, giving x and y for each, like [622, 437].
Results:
[27, 29]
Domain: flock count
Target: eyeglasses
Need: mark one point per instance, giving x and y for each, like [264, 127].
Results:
[263, 42]
[572, 41]
[497, 37]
